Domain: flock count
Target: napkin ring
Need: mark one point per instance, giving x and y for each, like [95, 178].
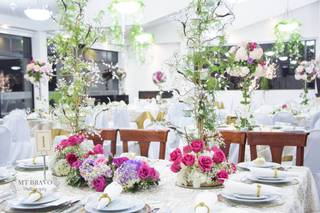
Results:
[258, 190]
[202, 204]
[105, 196]
[275, 175]
[36, 191]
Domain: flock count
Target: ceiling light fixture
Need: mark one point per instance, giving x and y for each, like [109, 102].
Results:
[15, 68]
[127, 7]
[38, 12]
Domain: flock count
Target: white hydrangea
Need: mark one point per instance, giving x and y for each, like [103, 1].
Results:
[256, 54]
[241, 54]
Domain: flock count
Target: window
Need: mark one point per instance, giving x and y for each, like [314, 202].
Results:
[15, 91]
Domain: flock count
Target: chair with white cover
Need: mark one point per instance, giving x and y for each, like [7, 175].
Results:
[312, 157]
[21, 140]
[5, 141]
[263, 119]
[283, 117]
[315, 120]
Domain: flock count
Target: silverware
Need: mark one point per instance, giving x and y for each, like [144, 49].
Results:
[67, 206]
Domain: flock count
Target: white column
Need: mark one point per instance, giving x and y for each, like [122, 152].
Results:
[39, 52]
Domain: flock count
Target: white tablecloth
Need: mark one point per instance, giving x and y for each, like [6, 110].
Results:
[298, 198]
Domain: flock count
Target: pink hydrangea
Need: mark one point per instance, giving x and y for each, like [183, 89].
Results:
[98, 149]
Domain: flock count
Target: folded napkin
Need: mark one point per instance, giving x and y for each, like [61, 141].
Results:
[32, 161]
[204, 202]
[36, 194]
[112, 191]
[232, 187]
[267, 172]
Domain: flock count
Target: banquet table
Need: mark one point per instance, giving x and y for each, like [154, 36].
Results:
[298, 197]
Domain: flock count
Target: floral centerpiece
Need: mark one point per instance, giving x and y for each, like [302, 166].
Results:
[70, 154]
[287, 108]
[134, 175]
[38, 70]
[199, 166]
[247, 61]
[307, 71]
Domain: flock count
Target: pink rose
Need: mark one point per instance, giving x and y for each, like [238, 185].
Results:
[188, 159]
[187, 149]
[75, 140]
[154, 174]
[98, 149]
[222, 175]
[62, 145]
[71, 158]
[197, 145]
[175, 155]
[205, 163]
[99, 184]
[176, 167]
[284, 106]
[219, 155]
[233, 168]
[143, 171]
[76, 164]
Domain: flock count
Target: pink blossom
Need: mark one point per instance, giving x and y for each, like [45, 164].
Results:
[75, 140]
[62, 145]
[99, 184]
[100, 161]
[188, 159]
[187, 149]
[143, 171]
[98, 149]
[219, 155]
[205, 163]
[284, 106]
[119, 161]
[154, 174]
[71, 158]
[251, 46]
[175, 167]
[175, 155]
[222, 175]
[76, 164]
[233, 168]
[197, 146]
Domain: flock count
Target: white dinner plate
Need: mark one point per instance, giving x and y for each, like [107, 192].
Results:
[248, 165]
[119, 204]
[29, 166]
[15, 204]
[271, 180]
[250, 199]
[47, 199]
[138, 206]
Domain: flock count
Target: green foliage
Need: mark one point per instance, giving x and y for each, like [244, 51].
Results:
[204, 65]
[70, 46]
[288, 43]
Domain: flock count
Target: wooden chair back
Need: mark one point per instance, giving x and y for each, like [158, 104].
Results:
[105, 135]
[234, 137]
[277, 141]
[144, 138]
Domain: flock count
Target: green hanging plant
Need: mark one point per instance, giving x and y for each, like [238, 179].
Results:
[288, 38]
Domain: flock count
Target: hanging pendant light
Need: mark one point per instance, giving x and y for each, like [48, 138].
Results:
[38, 13]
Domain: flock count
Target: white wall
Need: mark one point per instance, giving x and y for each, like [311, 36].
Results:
[168, 41]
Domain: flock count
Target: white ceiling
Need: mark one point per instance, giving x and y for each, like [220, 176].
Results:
[247, 12]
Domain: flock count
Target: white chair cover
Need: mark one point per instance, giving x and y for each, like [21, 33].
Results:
[315, 120]
[263, 119]
[283, 117]
[5, 141]
[311, 155]
[21, 147]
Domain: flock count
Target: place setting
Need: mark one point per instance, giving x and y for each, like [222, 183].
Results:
[259, 162]
[44, 198]
[31, 164]
[7, 175]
